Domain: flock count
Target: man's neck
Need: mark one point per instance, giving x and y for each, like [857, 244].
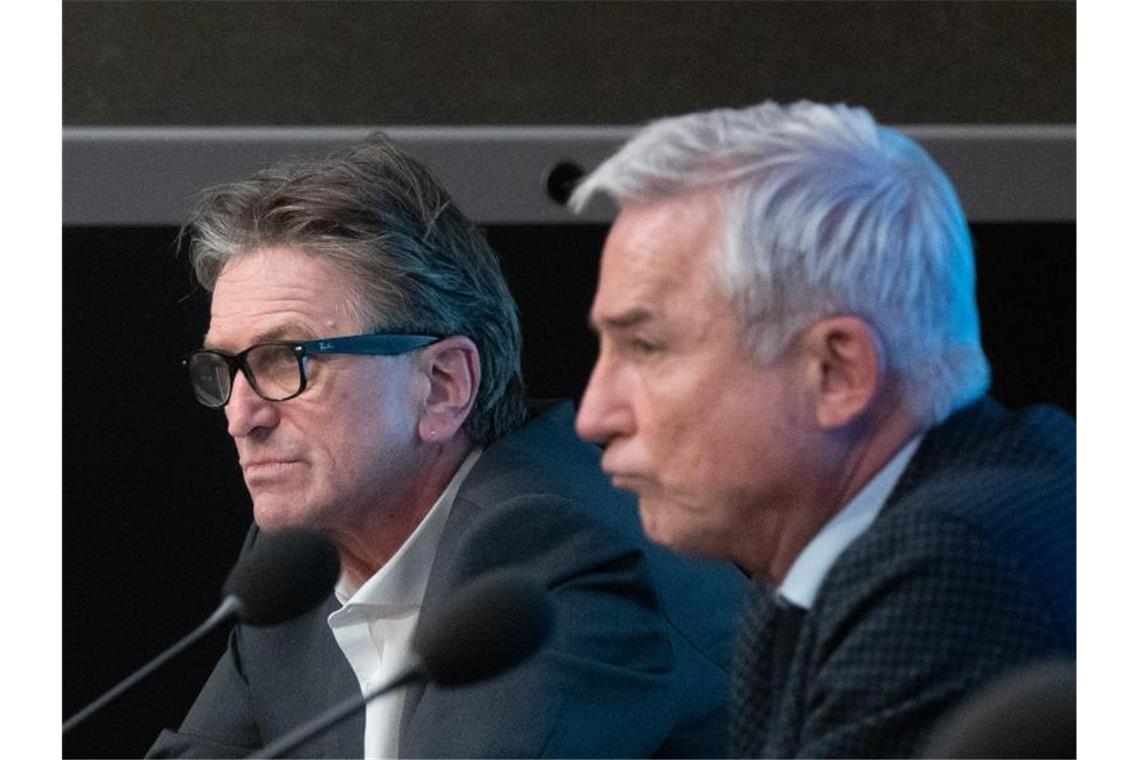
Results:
[371, 541]
[837, 479]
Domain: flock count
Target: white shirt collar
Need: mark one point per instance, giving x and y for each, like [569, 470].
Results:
[803, 580]
[402, 580]
[374, 628]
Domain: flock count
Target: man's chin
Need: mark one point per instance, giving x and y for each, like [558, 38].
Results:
[676, 529]
[661, 524]
[273, 514]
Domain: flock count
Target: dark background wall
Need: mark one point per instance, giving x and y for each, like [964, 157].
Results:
[154, 508]
[202, 63]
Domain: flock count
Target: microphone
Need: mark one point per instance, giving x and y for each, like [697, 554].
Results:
[286, 574]
[1030, 711]
[492, 624]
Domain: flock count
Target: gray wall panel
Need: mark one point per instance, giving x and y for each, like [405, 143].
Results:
[147, 175]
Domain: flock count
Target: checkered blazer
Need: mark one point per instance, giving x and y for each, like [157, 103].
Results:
[969, 570]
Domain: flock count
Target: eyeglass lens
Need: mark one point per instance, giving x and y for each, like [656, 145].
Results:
[275, 370]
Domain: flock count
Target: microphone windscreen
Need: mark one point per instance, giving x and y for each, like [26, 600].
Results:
[286, 573]
[490, 625]
[1029, 712]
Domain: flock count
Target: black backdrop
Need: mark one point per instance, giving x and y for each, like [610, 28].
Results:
[154, 506]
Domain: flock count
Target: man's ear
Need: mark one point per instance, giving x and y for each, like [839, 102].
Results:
[452, 369]
[845, 369]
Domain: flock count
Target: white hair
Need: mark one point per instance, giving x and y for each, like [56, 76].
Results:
[827, 213]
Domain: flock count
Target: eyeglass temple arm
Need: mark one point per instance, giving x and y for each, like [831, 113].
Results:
[371, 345]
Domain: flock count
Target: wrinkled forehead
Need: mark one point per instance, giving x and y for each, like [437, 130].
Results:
[277, 292]
[661, 257]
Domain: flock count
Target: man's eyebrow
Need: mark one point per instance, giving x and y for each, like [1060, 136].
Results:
[285, 332]
[622, 321]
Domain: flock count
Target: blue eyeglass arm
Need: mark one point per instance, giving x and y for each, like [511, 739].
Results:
[370, 345]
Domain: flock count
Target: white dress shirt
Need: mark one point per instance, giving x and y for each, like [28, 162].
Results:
[803, 580]
[375, 624]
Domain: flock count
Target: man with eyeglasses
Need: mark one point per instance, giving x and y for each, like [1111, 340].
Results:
[364, 349]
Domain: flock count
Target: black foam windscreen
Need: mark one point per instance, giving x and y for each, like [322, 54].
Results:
[1029, 712]
[491, 624]
[285, 574]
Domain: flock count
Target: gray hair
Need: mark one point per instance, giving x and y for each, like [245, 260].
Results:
[826, 213]
[416, 263]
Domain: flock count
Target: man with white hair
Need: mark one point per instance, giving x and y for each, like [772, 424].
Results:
[791, 377]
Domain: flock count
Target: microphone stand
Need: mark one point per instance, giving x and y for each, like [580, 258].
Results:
[337, 713]
[229, 608]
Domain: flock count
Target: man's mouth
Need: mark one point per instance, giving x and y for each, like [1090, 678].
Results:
[626, 481]
[266, 467]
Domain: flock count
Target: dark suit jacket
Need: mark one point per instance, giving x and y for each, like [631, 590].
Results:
[638, 663]
[969, 570]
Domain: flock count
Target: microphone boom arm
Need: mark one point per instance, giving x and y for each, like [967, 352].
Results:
[337, 713]
[228, 609]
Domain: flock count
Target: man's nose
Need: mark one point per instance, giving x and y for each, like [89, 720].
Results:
[605, 411]
[247, 412]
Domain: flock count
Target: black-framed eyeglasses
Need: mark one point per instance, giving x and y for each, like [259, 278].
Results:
[276, 371]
